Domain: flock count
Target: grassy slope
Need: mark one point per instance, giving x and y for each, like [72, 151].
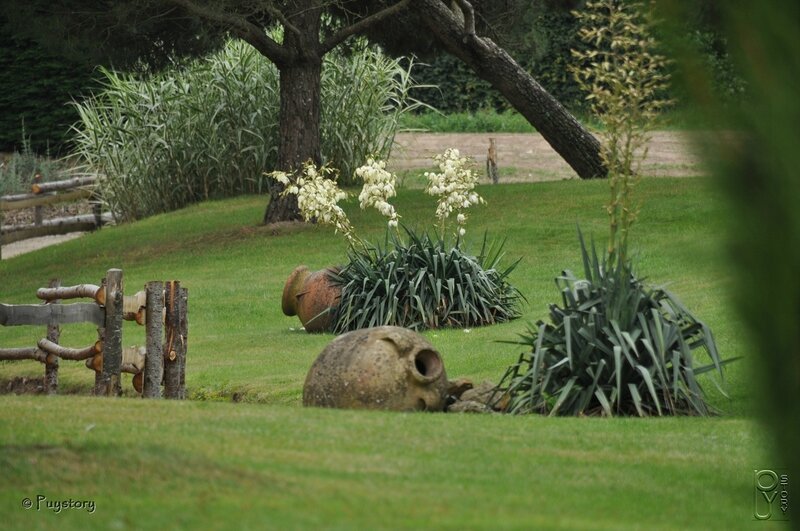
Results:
[262, 463]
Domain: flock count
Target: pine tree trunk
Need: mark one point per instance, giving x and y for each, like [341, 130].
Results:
[577, 146]
[299, 128]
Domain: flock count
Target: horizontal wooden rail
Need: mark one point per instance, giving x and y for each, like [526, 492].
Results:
[79, 187]
[16, 354]
[70, 353]
[44, 314]
[66, 184]
[82, 223]
[88, 291]
[82, 218]
[20, 201]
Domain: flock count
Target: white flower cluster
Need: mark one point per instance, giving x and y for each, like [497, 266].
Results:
[379, 186]
[317, 197]
[455, 186]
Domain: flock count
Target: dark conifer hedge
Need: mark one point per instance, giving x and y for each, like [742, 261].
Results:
[35, 90]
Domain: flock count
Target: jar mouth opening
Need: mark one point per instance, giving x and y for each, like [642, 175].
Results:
[290, 289]
[427, 365]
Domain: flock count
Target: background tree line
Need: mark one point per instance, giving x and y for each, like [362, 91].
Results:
[37, 84]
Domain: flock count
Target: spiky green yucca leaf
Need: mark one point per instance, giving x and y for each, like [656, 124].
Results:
[420, 283]
[614, 347]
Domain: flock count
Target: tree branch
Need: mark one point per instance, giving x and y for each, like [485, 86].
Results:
[577, 146]
[247, 31]
[277, 13]
[334, 40]
[469, 17]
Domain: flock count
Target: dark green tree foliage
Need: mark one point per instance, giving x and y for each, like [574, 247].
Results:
[553, 33]
[404, 33]
[451, 86]
[537, 34]
[454, 87]
[129, 34]
[540, 35]
[35, 90]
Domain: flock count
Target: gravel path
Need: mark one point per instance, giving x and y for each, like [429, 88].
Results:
[31, 244]
[527, 157]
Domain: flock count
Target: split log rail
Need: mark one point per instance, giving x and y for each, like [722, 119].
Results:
[161, 308]
[49, 193]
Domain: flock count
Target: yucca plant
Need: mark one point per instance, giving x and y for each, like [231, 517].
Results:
[414, 281]
[420, 282]
[614, 347]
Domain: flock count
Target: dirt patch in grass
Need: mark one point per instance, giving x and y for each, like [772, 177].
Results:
[527, 157]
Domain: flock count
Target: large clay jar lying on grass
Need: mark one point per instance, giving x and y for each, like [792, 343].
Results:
[310, 296]
[386, 367]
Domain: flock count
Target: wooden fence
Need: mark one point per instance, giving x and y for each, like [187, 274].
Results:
[162, 308]
[49, 193]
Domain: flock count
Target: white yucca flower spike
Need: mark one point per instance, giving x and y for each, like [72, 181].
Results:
[317, 197]
[379, 186]
[454, 186]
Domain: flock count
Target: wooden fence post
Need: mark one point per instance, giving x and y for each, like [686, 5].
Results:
[184, 330]
[96, 362]
[51, 361]
[37, 210]
[97, 209]
[174, 341]
[154, 330]
[110, 384]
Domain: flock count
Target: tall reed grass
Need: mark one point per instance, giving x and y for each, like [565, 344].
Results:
[210, 129]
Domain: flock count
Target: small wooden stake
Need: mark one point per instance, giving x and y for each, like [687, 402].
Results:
[173, 343]
[491, 162]
[154, 330]
[110, 384]
[37, 210]
[184, 330]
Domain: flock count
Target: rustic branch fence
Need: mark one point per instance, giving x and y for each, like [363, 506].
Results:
[162, 308]
[49, 193]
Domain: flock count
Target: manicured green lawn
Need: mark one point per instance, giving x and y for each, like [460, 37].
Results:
[199, 465]
[270, 463]
[491, 121]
